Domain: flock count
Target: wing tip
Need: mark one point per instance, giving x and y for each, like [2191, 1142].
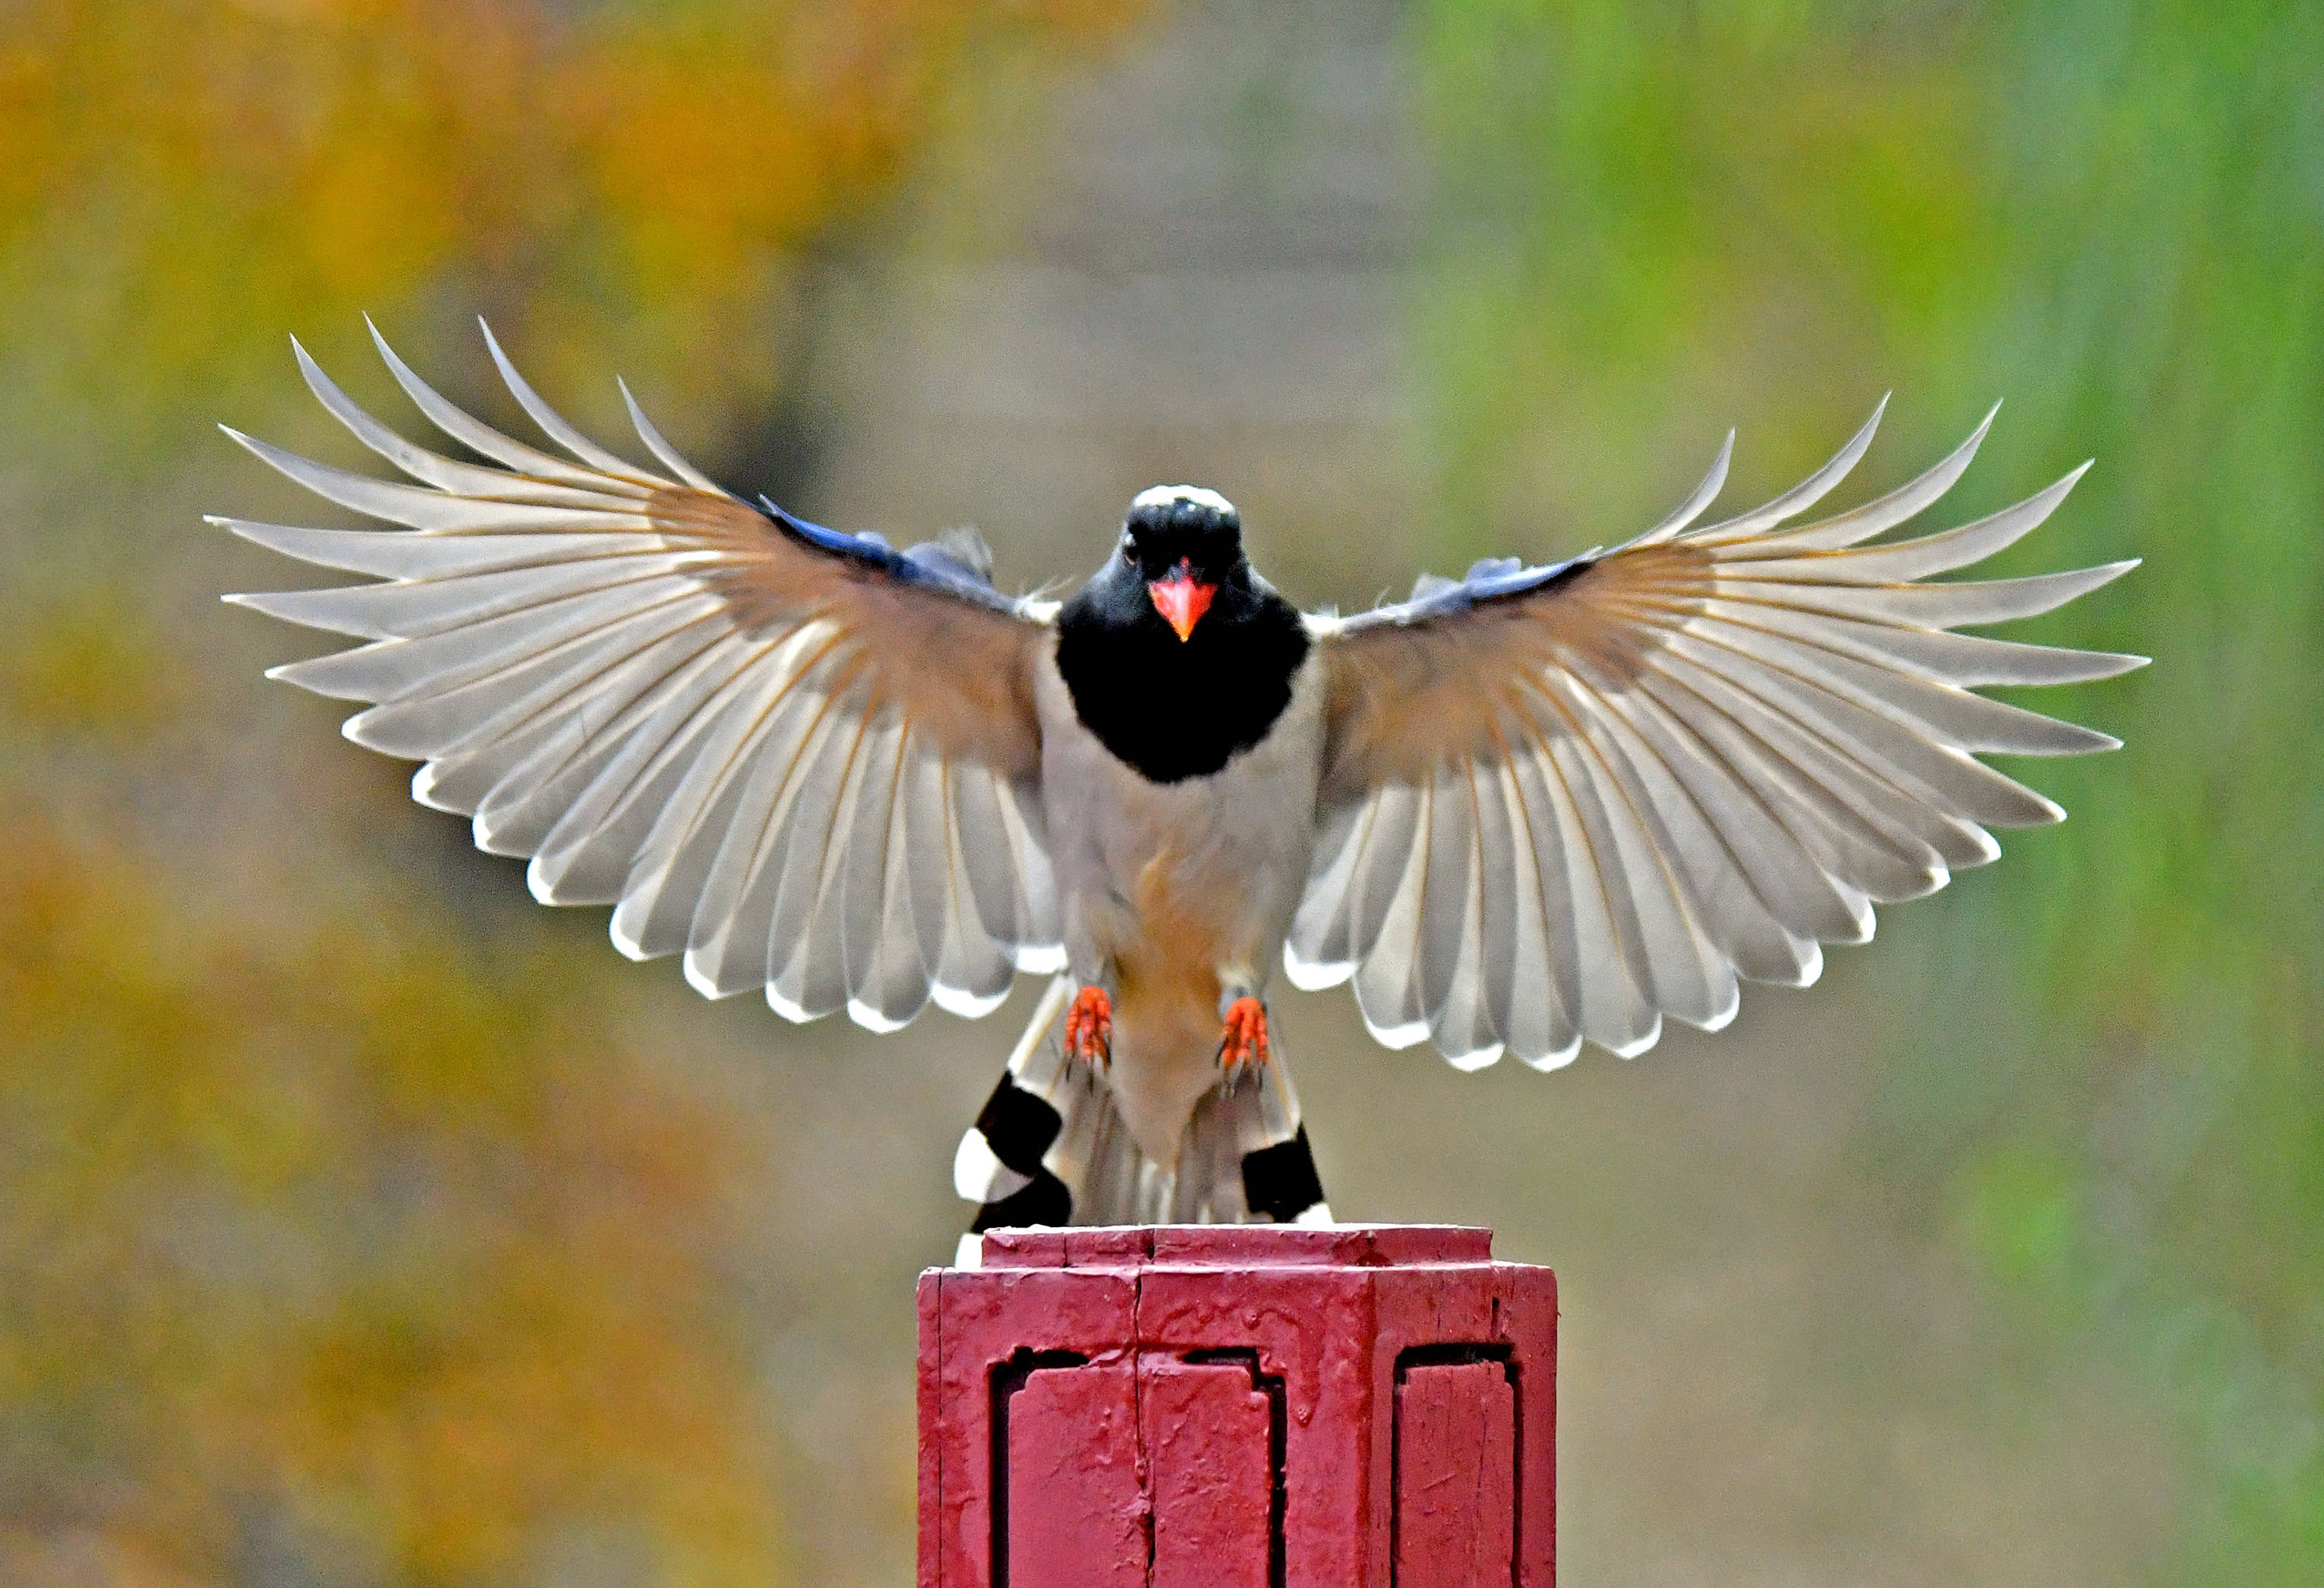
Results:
[1397, 1038]
[269, 602]
[703, 982]
[965, 1002]
[296, 675]
[1312, 975]
[379, 340]
[622, 932]
[1557, 1058]
[878, 1022]
[1638, 1045]
[1812, 964]
[1720, 1019]
[1861, 442]
[423, 790]
[1039, 959]
[696, 979]
[1476, 1058]
[789, 1008]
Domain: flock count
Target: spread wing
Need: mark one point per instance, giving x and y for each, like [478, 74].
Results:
[806, 760]
[1564, 802]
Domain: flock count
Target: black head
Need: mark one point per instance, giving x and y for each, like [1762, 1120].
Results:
[1171, 528]
[1184, 542]
[1178, 656]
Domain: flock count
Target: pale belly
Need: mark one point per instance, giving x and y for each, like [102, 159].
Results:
[1175, 898]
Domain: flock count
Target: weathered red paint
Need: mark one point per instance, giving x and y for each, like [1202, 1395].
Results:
[1207, 1429]
[1077, 1504]
[1453, 1514]
[1248, 1405]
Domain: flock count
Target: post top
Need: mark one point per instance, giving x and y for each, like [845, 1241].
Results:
[1119, 1246]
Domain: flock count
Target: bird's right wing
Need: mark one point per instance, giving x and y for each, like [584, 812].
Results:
[803, 759]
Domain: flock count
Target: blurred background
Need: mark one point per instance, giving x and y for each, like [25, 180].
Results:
[363, 1225]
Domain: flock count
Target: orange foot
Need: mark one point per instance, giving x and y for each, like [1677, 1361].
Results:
[1245, 1041]
[1089, 1027]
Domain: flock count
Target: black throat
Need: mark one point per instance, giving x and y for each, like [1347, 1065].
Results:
[1174, 708]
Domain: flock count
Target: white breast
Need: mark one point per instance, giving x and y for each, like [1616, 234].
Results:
[1172, 894]
[1243, 835]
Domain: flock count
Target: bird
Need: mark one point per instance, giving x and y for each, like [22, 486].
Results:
[1535, 806]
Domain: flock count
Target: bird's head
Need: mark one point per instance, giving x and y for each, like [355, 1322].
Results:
[1184, 542]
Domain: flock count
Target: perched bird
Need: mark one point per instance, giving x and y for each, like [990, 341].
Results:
[1525, 809]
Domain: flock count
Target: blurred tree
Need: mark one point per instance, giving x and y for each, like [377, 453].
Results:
[633, 180]
[337, 1252]
[210, 1371]
[333, 1252]
[1661, 218]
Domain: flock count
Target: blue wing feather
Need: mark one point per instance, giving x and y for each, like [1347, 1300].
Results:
[1492, 578]
[930, 564]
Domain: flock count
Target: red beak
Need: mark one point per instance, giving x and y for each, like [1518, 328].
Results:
[1181, 598]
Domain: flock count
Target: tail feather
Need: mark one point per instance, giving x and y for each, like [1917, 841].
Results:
[1050, 1148]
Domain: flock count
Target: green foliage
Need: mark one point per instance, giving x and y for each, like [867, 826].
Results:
[1660, 220]
[343, 1240]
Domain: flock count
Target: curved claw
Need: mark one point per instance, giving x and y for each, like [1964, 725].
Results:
[1089, 1028]
[1245, 1037]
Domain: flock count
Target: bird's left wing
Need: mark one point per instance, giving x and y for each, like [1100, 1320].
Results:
[1564, 802]
[804, 760]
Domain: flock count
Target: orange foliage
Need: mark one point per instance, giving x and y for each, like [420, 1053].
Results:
[284, 162]
[336, 1246]
[384, 1251]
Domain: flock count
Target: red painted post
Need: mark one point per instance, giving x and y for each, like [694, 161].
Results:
[1238, 1406]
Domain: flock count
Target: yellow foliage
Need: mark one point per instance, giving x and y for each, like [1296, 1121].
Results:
[90, 666]
[273, 163]
[337, 1240]
[385, 1244]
